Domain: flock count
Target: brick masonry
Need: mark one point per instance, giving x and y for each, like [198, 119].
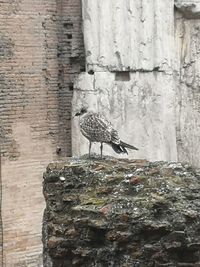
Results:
[41, 49]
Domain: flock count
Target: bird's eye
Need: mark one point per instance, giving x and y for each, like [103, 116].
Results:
[83, 110]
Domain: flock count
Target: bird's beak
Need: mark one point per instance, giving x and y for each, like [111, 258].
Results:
[77, 114]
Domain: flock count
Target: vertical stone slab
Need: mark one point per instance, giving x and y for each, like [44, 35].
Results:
[136, 37]
[127, 34]
[187, 40]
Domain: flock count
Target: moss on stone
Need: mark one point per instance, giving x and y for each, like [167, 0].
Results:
[115, 212]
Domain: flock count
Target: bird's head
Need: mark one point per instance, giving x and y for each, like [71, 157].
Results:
[82, 111]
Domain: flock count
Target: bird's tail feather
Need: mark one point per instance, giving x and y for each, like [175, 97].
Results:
[123, 144]
[121, 148]
[118, 148]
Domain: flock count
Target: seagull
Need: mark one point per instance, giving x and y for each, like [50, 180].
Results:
[96, 128]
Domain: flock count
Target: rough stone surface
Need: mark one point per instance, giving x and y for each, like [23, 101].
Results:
[189, 8]
[121, 213]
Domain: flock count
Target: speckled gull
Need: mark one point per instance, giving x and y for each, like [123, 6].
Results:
[96, 128]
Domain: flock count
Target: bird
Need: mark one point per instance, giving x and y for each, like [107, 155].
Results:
[96, 128]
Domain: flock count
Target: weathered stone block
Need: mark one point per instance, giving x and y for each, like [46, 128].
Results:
[189, 8]
[152, 222]
[128, 35]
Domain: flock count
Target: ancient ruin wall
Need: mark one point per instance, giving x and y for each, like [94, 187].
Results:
[121, 213]
[133, 74]
[145, 60]
[41, 48]
[187, 70]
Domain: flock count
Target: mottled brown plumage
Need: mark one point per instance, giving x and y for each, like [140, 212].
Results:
[96, 128]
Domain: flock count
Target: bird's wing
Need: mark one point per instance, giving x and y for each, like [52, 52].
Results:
[115, 137]
[95, 127]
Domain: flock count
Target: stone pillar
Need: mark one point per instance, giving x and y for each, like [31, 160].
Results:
[129, 47]
[187, 75]
[144, 57]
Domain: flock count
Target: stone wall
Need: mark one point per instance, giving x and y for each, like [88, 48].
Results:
[130, 39]
[146, 85]
[121, 213]
[144, 57]
[187, 70]
[41, 48]
[128, 35]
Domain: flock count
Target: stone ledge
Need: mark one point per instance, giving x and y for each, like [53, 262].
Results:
[121, 213]
[190, 9]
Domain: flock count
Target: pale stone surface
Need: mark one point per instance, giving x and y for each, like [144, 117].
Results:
[128, 34]
[135, 36]
[158, 109]
[142, 110]
[187, 40]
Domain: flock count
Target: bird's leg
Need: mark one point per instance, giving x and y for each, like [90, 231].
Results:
[90, 145]
[101, 148]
